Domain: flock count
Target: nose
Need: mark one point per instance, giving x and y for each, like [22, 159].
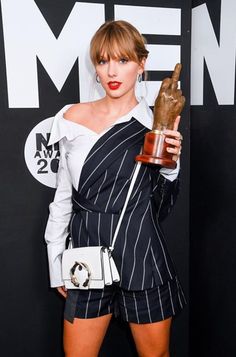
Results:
[112, 68]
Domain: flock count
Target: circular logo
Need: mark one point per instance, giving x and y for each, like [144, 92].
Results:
[42, 160]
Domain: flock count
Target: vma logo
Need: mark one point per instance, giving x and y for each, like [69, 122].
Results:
[42, 160]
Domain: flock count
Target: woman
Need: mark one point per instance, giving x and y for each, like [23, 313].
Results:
[98, 142]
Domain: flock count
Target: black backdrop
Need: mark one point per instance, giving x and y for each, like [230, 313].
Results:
[31, 312]
[213, 200]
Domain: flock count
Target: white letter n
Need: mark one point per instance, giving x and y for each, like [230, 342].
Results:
[220, 59]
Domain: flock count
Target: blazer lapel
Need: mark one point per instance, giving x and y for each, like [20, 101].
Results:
[107, 149]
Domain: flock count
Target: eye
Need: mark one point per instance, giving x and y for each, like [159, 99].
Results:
[102, 61]
[123, 60]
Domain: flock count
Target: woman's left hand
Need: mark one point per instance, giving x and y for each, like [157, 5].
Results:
[173, 137]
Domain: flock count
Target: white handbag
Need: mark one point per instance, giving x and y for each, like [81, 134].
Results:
[93, 267]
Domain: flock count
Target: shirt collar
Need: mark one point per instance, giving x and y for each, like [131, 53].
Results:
[140, 112]
[62, 127]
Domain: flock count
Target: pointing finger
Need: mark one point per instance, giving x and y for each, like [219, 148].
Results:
[165, 85]
[176, 73]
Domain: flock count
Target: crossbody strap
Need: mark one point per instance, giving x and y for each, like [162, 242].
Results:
[136, 171]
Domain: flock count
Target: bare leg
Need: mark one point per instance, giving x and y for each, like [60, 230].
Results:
[152, 339]
[84, 337]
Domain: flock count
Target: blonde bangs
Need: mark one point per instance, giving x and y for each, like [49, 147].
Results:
[116, 46]
[117, 39]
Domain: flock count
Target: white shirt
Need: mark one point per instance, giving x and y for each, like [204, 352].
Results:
[75, 142]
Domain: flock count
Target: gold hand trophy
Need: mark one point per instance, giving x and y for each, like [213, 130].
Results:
[168, 105]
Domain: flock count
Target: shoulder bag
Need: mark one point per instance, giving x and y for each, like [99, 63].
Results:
[93, 267]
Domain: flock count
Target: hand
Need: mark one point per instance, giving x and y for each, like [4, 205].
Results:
[62, 290]
[169, 102]
[174, 138]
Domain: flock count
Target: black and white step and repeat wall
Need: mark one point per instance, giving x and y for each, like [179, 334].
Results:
[43, 66]
[213, 178]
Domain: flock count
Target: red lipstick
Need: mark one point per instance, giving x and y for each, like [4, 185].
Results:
[114, 85]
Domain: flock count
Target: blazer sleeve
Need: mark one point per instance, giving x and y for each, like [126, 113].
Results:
[165, 194]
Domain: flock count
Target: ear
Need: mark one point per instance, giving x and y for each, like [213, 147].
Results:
[142, 65]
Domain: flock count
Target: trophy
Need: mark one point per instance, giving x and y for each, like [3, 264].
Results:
[168, 105]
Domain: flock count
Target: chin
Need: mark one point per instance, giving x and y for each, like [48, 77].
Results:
[117, 93]
[114, 94]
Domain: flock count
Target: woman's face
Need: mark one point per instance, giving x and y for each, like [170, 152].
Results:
[118, 75]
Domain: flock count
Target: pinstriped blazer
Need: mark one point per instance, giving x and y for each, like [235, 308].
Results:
[140, 251]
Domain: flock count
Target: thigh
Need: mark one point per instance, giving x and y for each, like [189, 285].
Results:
[152, 339]
[84, 337]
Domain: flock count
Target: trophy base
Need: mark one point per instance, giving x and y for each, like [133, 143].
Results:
[154, 150]
[147, 159]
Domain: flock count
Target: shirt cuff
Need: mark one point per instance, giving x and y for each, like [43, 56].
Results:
[55, 266]
[171, 174]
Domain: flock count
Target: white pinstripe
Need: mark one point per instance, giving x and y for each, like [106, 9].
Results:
[144, 261]
[135, 246]
[88, 192]
[86, 209]
[126, 234]
[126, 312]
[86, 225]
[100, 301]
[140, 181]
[162, 314]
[183, 295]
[172, 305]
[159, 273]
[111, 228]
[114, 183]
[180, 300]
[156, 184]
[99, 220]
[180, 289]
[167, 266]
[101, 162]
[136, 309]
[121, 190]
[149, 313]
[100, 187]
[86, 312]
[162, 199]
[81, 222]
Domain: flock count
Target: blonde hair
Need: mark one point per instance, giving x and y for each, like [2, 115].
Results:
[117, 39]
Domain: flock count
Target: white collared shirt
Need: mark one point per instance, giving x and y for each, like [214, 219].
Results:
[75, 143]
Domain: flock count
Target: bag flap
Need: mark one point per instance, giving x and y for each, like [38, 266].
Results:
[92, 256]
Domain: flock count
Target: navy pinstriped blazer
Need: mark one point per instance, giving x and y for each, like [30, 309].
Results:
[140, 251]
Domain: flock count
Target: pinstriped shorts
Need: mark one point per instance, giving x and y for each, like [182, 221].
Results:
[145, 306]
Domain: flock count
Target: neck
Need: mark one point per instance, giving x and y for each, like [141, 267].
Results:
[120, 106]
